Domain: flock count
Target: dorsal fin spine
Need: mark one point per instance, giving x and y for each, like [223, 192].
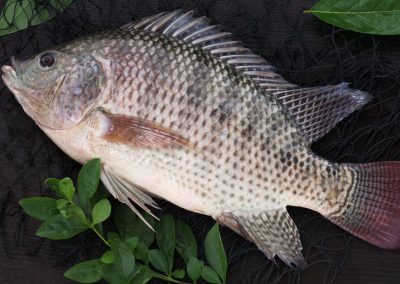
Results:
[323, 106]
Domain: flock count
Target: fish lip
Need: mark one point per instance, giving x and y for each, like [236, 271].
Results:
[9, 77]
[9, 71]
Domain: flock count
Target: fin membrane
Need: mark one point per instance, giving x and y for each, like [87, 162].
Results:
[315, 110]
[141, 133]
[127, 192]
[273, 231]
[213, 39]
[372, 207]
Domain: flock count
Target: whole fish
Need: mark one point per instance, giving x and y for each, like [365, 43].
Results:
[177, 109]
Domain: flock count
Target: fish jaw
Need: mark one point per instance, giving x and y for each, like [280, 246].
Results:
[10, 79]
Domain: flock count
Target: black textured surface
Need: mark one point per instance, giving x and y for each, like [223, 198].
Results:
[305, 50]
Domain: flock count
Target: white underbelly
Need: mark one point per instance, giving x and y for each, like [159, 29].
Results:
[153, 175]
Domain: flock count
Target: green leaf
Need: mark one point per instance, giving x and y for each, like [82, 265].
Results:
[20, 14]
[132, 242]
[141, 252]
[380, 17]
[60, 228]
[74, 212]
[143, 274]
[101, 193]
[113, 237]
[142, 231]
[130, 226]
[88, 181]
[158, 260]
[40, 208]
[165, 235]
[53, 184]
[85, 272]
[112, 275]
[101, 211]
[61, 203]
[124, 259]
[107, 257]
[125, 220]
[215, 252]
[208, 274]
[179, 273]
[194, 268]
[67, 188]
[185, 241]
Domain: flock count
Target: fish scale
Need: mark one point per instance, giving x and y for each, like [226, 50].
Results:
[177, 109]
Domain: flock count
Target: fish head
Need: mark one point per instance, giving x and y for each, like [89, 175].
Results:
[56, 88]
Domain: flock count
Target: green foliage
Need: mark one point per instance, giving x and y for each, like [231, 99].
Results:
[158, 260]
[101, 211]
[166, 239]
[194, 268]
[20, 14]
[186, 244]
[67, 188]
[39, 208]
[210, 275]
[379, 17]
[85, 272]
[131, 255]
[88, 181]
[124, 259]
[215, 252]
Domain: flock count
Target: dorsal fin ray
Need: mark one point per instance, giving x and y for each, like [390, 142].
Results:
[215, 40]
[314, 110]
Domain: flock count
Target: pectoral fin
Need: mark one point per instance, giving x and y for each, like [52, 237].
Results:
[273, 231]
[141, 133]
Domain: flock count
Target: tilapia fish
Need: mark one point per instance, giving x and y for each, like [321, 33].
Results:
[177, 109]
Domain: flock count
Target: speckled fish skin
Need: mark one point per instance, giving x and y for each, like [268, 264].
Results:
[171, 119]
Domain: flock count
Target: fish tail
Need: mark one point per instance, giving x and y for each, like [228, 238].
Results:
[370, 208]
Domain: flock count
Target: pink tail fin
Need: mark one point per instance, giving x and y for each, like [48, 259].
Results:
[372, 207]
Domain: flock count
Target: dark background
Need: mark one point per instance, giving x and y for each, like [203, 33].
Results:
[305, 50]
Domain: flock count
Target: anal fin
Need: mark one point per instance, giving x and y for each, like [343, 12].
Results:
[273, 231]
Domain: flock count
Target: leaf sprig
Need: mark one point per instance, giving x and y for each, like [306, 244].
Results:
[380, 17]
[133, 254]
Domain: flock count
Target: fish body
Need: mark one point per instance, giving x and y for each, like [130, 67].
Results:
[176, 109]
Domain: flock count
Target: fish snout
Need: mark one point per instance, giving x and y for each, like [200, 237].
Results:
[8, 71]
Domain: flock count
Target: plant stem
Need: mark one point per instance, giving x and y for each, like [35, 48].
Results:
[100, 236]
[167, 278]
[93, 227]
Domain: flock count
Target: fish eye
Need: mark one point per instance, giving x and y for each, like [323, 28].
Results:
[47, 60]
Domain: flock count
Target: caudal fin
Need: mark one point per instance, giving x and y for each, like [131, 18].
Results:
[372, 207]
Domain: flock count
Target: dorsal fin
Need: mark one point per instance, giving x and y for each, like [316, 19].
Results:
[315, 110]
[213, 39]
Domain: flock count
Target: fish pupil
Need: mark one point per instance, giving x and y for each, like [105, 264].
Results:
[47, 60]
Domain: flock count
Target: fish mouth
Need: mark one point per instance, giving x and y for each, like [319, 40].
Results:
[10, 77]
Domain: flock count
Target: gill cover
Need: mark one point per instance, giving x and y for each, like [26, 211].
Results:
[76, 92]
